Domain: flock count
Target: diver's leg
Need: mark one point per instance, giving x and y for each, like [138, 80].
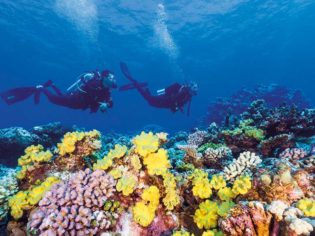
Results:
[62, 100]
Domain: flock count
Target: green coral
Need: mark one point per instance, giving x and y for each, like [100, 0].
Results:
[247, 129]
[205, 146]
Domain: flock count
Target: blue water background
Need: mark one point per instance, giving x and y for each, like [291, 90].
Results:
[223, 45]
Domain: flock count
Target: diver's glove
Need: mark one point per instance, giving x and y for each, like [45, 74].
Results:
[103, 106]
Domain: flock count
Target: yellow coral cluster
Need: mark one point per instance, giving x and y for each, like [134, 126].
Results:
[25, 200]
[107, 161]
[201, 184]
[144, 211]
[126, 184]
[241, 185]
[146, 143]
[307, 205]
[206, 215]
[33, 154]
[70, 139]
[171, 198]
[157, 162]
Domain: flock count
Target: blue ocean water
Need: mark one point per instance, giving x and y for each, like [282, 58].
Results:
[223, 45]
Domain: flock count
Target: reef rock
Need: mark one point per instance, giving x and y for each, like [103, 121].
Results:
[14, 140]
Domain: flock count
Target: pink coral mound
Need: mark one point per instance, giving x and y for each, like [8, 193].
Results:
[75, 207]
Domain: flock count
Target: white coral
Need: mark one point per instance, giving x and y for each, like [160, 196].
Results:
[244, 163]
[298, 226]
[277, 208]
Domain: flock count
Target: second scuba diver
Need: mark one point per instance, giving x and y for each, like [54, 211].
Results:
[92, 91]
[174, 97]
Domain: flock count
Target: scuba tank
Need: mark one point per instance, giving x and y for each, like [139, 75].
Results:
[81, 81]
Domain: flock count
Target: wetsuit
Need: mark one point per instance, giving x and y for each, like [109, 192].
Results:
[175, 97]
[89, 95]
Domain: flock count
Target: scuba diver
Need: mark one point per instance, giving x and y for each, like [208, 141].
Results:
[174, 97]
[91, 91]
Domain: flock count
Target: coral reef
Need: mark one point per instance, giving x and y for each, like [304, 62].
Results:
[224, 108]
[252, 176]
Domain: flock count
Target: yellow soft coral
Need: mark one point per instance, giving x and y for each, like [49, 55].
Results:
[34, 154]
[146, 143]
[23, 200]
[226, 194]
[171, 198]
[206, 215]
[107, 161]
[118, 152]
[68, 143]
[116, 173]
[103, 164]
[157, 163]
[143, 214]
[152, 196]
[144, 211]
[241, 185]
[202, 188]
[218, 182]
[307, 205]
[201, 184]
[127, 184]
[18, 203]
[135, 162]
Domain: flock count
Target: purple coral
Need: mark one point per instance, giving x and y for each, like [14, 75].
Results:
[75, 207]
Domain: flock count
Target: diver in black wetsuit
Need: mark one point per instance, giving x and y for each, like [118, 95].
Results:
[174, 97]
[92, 91]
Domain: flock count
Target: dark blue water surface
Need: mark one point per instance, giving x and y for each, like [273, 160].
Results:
[224, 45]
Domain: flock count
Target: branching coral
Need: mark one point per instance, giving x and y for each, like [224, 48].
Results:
[242, 165]
[197, 138]
[217, 156]
[75, 207]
